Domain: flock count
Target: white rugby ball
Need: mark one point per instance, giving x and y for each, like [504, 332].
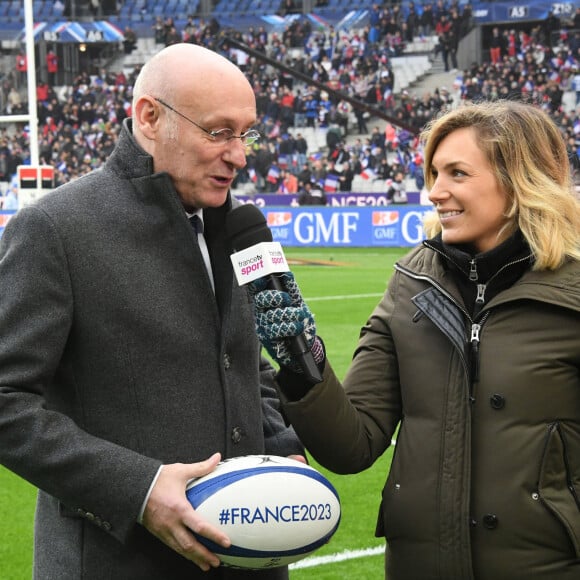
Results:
[275, 510]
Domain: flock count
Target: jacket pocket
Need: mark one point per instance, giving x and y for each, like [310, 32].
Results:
[556, 486]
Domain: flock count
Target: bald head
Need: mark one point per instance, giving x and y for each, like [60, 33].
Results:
[185, 66]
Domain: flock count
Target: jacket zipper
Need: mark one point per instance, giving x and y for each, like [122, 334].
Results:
[481, 288]
[555, 426]
[474, 274]
[474, 353]
[472, 364]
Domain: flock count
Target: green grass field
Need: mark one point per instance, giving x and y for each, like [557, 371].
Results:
[341, 286]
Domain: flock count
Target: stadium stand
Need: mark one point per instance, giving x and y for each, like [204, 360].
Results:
[79, 119]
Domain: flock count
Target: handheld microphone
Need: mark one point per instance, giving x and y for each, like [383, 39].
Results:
[257, 256]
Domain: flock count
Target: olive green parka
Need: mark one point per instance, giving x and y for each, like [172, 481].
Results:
[485, 478]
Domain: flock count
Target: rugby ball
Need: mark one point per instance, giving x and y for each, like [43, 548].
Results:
[275, 510]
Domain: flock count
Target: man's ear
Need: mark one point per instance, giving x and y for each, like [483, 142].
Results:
[146, 116]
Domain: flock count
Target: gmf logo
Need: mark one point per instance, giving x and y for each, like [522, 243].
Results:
[385, 218]
[4, 219]
[279, 218]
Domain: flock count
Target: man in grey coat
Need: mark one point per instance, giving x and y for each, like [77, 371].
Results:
[128, 365]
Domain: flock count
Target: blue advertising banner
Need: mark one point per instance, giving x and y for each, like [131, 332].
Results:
[514, 11]
[518, 11]
[393, 226]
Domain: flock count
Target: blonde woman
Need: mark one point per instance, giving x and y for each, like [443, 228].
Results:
[474, 353]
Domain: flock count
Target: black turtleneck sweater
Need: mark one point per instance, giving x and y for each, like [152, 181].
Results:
[480, 277]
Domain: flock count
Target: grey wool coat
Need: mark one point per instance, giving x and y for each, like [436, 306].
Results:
[115, 358]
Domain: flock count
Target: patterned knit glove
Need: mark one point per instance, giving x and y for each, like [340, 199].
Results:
[283, 314]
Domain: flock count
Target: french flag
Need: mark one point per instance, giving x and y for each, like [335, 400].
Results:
[331, 183]
[273, 174]
[368, 173]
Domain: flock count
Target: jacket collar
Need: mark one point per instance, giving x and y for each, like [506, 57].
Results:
[480, 277]
[129, 159]
[514, 250]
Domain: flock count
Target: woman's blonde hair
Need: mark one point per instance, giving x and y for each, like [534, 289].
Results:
[527, 152]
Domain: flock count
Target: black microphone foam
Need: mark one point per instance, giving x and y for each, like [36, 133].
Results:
[245, 227]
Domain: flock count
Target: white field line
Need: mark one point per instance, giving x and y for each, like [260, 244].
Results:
[342, 297]
[339, 557]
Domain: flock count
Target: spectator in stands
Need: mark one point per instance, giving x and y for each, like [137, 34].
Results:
[10, 200]
[426, 22]
[576, 85]
[471, 359]
[311, 109]
[288, 182]
[14, 105]
[412, 22]
[262, 161]
[496, 46]
[346, 176]
[129, 40]
[130, 363]
[551, 28]
[361, 117]
[311, 194]
[4, 171]
[159, 31]
[318, 172]
[396, 193]
[189, 30]
[288, 7]
[42, 91]
[22, 68]
[274, 177]
[172, 35]
[448, 46]
[301, 149]
[343, 114]
[333, 139]
[304, 175]
[51, 67]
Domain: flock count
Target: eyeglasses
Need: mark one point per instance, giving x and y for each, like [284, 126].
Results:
[221, 135]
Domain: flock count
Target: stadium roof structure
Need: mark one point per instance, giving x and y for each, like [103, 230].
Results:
[99, 31]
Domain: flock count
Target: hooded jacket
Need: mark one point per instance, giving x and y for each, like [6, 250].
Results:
[485, 478]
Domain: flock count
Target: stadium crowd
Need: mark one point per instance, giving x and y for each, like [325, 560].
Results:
[79, 124]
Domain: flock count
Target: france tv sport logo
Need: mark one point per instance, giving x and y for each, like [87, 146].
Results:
[385, 218]
[278, 218]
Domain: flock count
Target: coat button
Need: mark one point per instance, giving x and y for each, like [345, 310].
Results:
[227, 361]
[490, 521]
[497, 401]
[236, 434]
